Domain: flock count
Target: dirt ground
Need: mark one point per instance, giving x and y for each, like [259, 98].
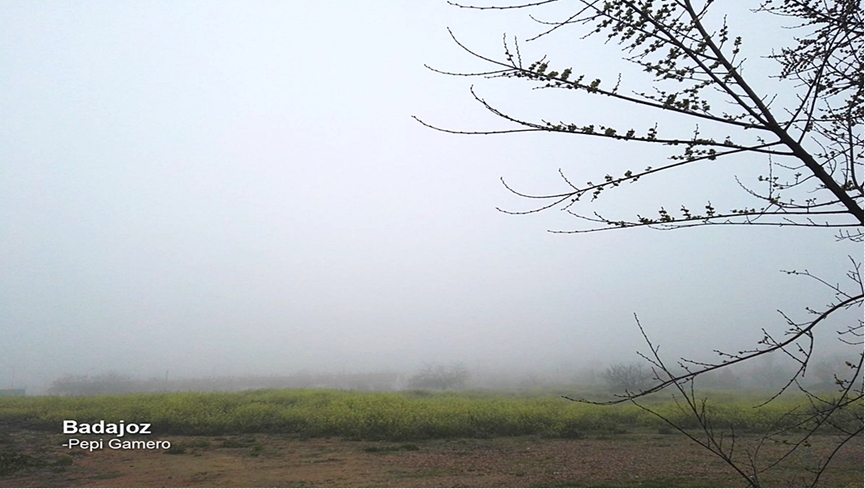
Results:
[260, 460]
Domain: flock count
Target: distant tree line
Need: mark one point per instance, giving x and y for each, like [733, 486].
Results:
[114, 383]
[632, 377]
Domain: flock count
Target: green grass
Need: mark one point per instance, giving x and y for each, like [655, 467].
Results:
[403, 416]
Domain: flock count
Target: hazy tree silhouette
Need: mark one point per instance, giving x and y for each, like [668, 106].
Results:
[807, 148]
[631, 377]
[440, 377]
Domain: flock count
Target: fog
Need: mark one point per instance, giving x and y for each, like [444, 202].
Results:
[223, 189]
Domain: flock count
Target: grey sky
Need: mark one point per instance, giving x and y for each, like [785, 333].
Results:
[222, 188]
